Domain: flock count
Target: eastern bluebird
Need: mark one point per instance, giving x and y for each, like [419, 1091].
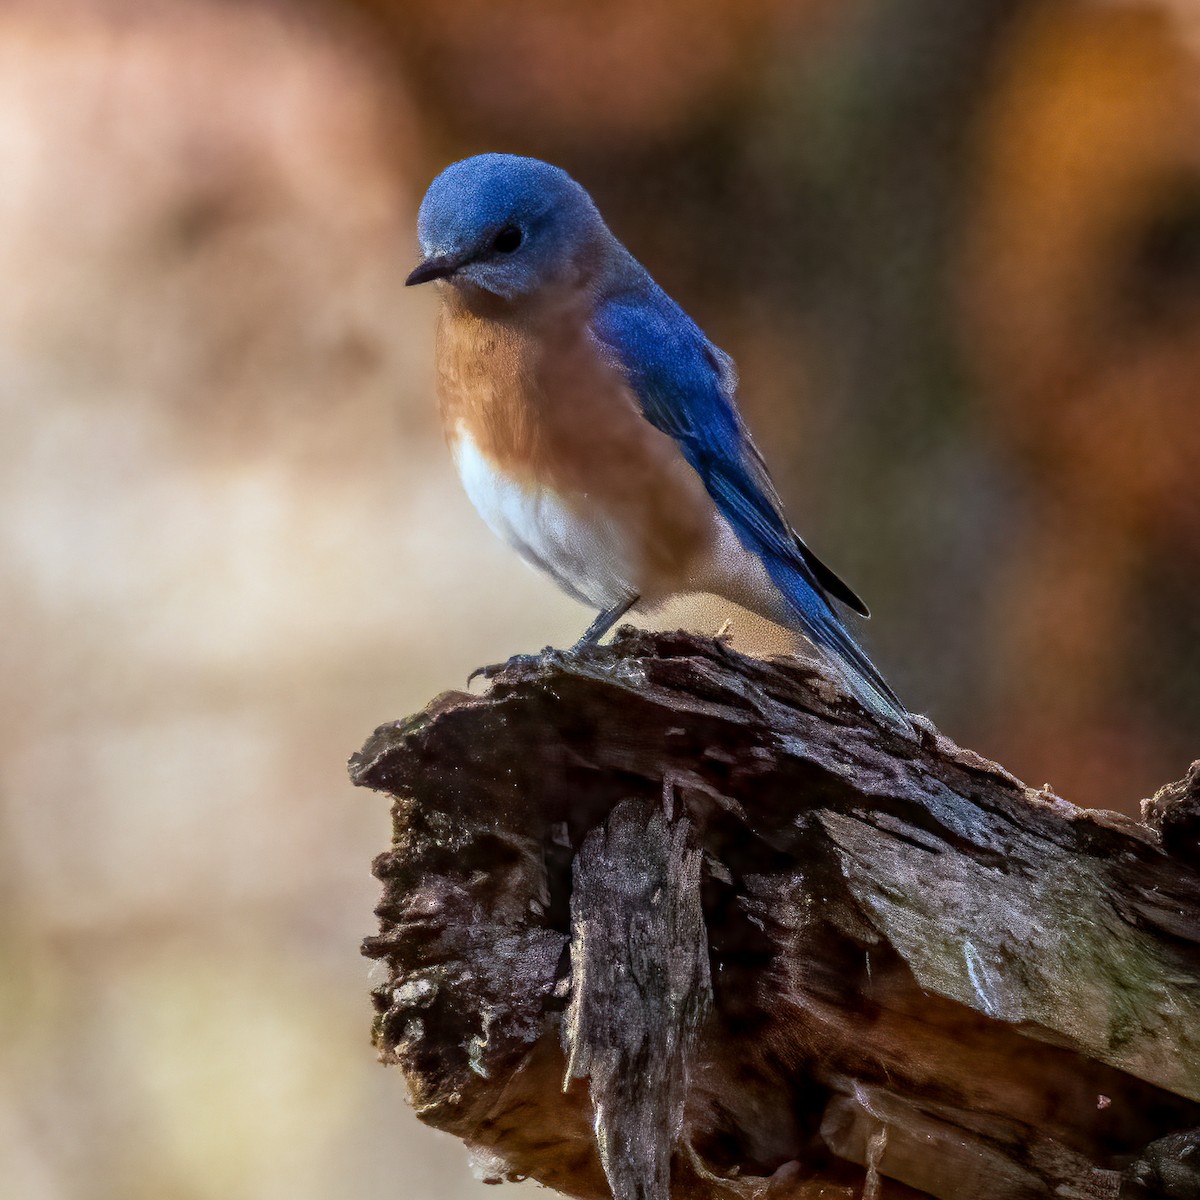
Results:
[595, 426]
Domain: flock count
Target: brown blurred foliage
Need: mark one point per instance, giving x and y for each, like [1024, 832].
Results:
[955, 249]
[1082, 296]
[614, 75]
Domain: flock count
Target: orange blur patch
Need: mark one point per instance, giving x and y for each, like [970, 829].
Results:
[1090, 137]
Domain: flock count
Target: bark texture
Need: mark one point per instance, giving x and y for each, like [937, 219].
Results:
[662, 920]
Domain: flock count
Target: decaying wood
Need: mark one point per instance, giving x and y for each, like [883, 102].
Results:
[663, 920]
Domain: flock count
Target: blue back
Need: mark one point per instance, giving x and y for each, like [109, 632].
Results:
[686, 386]
[686, 389]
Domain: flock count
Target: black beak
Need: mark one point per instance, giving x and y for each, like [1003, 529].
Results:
[440, 267]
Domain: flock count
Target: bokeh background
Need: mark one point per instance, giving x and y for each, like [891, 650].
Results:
[955, 249]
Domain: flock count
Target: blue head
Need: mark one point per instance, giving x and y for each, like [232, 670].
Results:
[506, 225]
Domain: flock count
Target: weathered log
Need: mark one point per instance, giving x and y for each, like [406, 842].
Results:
[660, 911]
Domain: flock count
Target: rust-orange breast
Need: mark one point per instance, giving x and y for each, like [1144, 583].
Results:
[542, 405]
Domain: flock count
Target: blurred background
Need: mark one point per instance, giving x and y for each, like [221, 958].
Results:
[955, 249]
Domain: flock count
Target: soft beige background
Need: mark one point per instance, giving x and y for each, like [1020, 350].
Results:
[231, 545]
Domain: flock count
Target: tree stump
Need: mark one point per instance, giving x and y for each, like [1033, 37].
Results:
[662, 920]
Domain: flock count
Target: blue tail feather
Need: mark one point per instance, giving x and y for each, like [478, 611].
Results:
[818, 622]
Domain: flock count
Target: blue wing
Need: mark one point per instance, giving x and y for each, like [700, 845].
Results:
[685, 386]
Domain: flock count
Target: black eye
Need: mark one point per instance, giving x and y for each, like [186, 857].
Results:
[507, 240]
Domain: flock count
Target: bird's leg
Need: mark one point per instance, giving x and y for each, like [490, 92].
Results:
[604, 622]
[594, 632]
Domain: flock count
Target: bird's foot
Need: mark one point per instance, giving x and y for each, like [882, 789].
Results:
[551, 654]
[518, 660]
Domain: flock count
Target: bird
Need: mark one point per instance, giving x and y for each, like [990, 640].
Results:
[595, 427]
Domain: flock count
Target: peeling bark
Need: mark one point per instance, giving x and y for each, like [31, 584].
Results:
[659, 919]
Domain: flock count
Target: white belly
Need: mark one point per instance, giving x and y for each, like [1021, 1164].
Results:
[582, 551]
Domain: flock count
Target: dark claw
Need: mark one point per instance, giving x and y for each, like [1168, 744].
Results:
[518, 660]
